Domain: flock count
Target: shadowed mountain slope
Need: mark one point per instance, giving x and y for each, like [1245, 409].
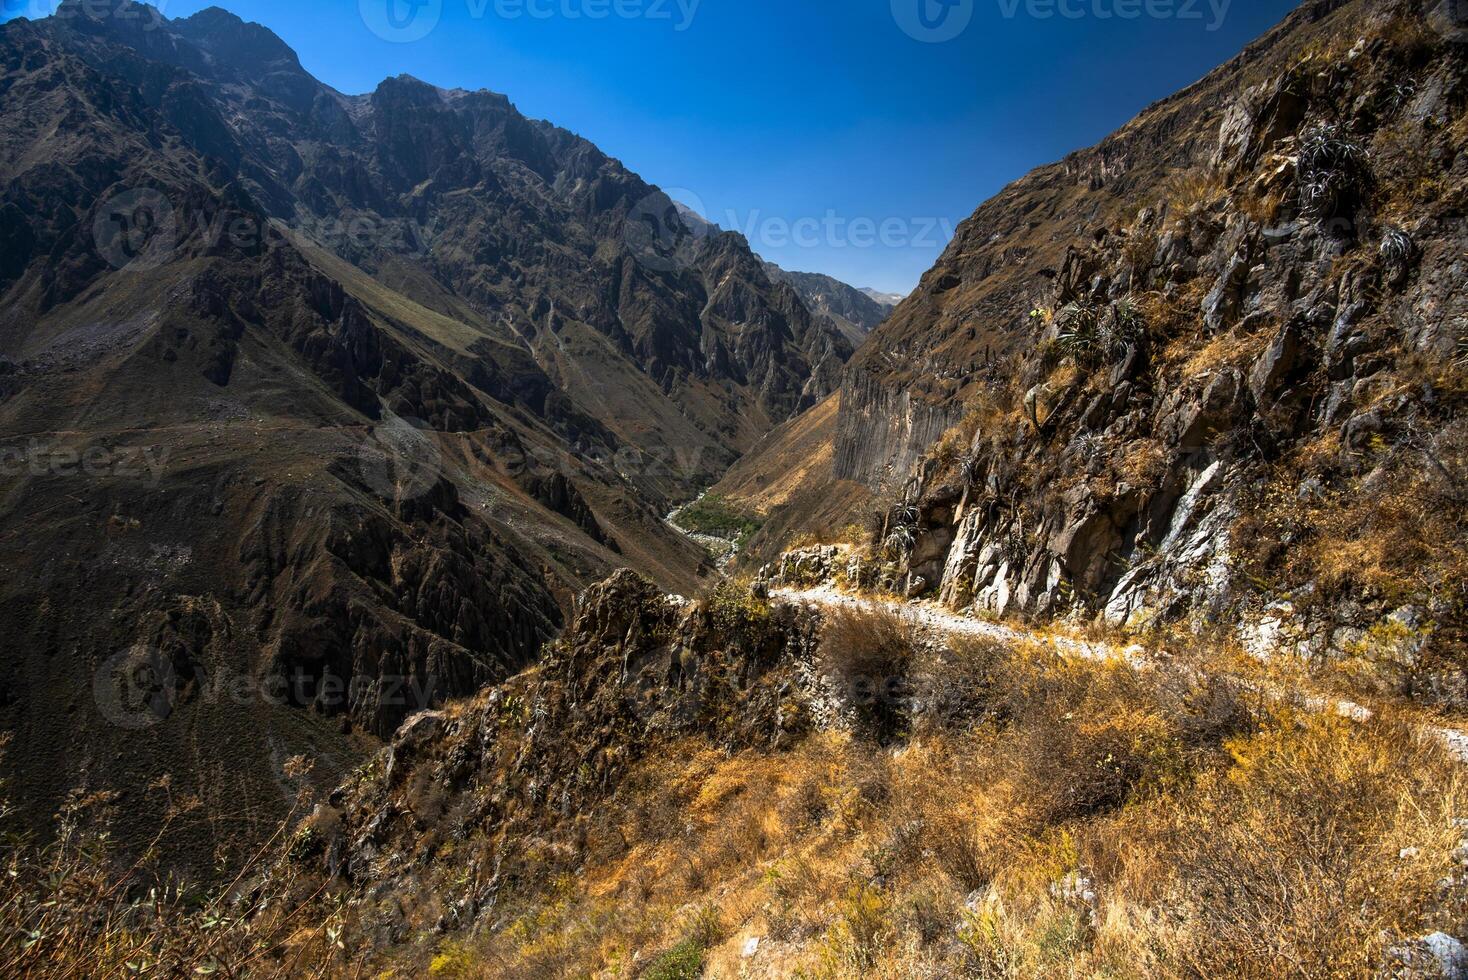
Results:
[336, 400]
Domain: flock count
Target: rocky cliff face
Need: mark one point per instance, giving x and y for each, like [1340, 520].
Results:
[1212, 367]
[884, 429]
[941, 345]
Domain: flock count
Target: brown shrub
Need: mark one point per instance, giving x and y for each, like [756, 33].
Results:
[967, 681]
[1291, 860]
[866, 659]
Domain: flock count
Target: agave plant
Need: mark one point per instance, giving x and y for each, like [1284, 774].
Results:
[1396, 249]
[1332, 172]
[1090, 446]
[901, 539]
[1095, 333]
[1080, 329]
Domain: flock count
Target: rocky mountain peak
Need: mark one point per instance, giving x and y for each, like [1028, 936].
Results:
[243, 44]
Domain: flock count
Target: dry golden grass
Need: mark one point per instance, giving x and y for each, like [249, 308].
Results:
[1183, 191]
[1064, 819]
[71, 909]
[1145, 463]
[1196, 358]
[1054, 818]
[1262, 208]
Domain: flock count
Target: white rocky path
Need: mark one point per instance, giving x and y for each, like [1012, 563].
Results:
[943, 621]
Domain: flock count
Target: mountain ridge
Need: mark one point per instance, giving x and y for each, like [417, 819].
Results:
[416, 370]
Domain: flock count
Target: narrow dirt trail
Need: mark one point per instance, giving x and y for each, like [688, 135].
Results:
[942, 621]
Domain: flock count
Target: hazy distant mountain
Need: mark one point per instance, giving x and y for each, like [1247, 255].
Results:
[852, 310]
[886, 299]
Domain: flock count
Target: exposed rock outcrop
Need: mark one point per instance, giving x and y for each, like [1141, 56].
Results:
[538, 755]
[1211, 373]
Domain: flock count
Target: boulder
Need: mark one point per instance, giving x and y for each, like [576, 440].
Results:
[1437, 955]
[1275, 365]
[1224, 303]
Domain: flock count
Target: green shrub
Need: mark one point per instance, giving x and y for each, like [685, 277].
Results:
[734, 607]
[683, 962]
[861, 928]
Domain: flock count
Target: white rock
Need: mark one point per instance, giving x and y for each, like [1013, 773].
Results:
[751, 947]
[1450, 954]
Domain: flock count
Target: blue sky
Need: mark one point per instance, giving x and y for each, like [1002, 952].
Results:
[837, 140]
